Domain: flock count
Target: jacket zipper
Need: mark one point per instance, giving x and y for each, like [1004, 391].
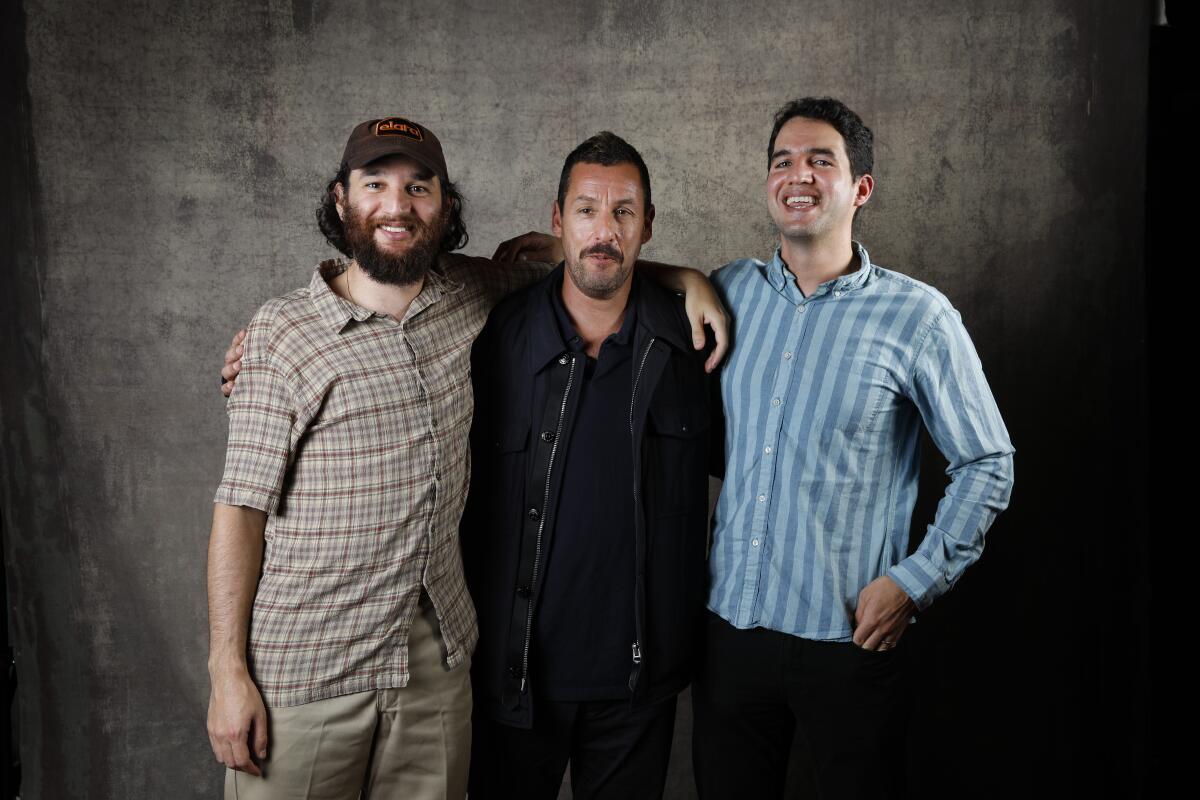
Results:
[637, 378]
[537, 549]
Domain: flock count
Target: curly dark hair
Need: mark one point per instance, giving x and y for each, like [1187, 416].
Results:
[330, 223]
[860, 142]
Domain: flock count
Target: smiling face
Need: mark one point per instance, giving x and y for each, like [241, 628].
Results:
[395, 217]
[811, 193]
[603, 223]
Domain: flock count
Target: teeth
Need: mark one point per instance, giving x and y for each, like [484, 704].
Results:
[394, 228]
[805, 200]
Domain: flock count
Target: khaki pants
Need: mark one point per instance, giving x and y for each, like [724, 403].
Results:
[406, 743]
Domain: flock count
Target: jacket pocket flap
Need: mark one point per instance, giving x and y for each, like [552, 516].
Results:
[511, 437]
[681, 421]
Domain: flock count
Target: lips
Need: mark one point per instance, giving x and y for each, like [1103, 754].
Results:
[800, 200]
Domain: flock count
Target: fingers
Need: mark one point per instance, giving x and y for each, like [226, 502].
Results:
[237, 338]
[511, 250]
[242, 762]
[229, 747]
[259, 732]
[720, 327]
[697, 332]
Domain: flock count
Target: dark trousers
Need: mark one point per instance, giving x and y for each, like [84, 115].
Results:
[615, 750]
[756, 688]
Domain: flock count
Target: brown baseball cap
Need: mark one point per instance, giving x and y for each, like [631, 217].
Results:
[389, 136]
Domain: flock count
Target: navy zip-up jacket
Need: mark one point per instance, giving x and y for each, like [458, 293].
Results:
[525, 383]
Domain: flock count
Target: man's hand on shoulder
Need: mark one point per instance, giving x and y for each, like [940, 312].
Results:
[233, 363]
[703, 307]
[237, 721]
[532, 246]
[882, 614]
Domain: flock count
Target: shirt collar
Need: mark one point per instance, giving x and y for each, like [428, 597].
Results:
[571, 340]
[781, 278]
[336, 311]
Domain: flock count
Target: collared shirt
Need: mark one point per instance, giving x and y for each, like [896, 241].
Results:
[824, 399]
[349, 428]
[585, 618]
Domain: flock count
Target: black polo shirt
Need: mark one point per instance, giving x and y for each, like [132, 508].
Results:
[583, 642]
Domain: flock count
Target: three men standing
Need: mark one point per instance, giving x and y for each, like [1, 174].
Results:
[838, 365]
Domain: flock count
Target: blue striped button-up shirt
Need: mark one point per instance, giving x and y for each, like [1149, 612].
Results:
[824, 398]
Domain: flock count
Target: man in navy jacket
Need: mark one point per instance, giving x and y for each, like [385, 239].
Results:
[584, 535]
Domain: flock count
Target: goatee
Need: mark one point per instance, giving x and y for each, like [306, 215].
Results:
[399, 269]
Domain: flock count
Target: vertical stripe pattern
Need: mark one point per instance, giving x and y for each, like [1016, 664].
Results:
[824, 401]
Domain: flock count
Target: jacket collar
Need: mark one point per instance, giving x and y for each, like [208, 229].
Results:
[654, 310]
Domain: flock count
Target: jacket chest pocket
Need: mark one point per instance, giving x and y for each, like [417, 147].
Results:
[675, 453]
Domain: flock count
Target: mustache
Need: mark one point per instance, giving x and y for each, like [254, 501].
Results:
[602, 250]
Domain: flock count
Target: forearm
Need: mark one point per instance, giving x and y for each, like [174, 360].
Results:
[669, 276]
[977, 493]
[235, 553]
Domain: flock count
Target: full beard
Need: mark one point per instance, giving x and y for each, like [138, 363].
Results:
[399, 269]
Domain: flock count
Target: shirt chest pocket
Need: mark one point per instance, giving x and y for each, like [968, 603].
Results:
[856, 401]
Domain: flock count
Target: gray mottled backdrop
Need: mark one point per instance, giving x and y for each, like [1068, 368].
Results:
[163, 161]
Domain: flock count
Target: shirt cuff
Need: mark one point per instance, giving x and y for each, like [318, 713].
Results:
[920, 580]
[245, 496]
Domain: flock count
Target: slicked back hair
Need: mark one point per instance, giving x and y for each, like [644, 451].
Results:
[608, 150]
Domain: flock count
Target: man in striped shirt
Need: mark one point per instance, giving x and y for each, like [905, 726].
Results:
[836, 365]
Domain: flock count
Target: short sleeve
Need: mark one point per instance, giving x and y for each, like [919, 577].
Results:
[262, 414]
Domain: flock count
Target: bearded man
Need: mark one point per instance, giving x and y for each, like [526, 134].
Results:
[340, 622]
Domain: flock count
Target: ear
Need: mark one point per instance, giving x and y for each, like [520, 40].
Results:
[863, 188]
[556, 220]
[339, 200]
[648, 227]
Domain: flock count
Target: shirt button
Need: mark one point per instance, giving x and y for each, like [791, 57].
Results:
[514, 672]
[799, 309]
[787, 355]
[762, 498]
[767, 449]
[523, 591]
[775, 401]
[533, 514]
[754, 542]
[547, 436]
[837, 293]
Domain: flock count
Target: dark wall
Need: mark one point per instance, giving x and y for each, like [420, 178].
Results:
[162, 165]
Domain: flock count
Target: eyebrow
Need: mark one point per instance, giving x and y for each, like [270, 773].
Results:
[818, 151]
[583, 198]
[421, 174]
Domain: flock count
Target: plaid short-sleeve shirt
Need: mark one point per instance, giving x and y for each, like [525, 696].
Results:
[350, 429]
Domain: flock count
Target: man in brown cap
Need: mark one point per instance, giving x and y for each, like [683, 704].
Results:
[341, 628]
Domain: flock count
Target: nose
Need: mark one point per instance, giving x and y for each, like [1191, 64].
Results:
[396, 202]
[801, 172]
[605, 230]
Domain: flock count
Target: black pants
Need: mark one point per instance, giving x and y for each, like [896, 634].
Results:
[757, 687]
[615, 751]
